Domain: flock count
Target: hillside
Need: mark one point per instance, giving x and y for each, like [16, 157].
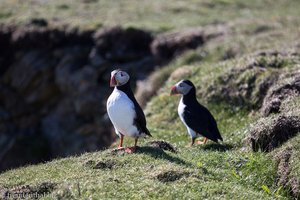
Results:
[247, 72]
[150, 15]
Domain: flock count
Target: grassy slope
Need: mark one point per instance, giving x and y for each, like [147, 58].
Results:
[154, 15]
[208, 171]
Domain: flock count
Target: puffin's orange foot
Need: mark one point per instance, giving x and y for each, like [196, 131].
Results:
[202, 142]
[199, 142]
[119, 149]
[130, 149]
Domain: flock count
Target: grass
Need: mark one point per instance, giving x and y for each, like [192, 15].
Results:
[224, 171]
[155, 15]
[206, 173]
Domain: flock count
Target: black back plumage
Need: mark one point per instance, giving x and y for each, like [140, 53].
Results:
[198, 118]
[140, 119]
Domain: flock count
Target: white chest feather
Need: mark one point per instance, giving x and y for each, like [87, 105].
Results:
[121, 112]
[181, 108]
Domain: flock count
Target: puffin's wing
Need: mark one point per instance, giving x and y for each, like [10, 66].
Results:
[140, 120]
[201, 121]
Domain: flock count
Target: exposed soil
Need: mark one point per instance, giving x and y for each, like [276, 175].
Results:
[163, 145]
[107, 164]
[268, 133]
[288, 87]
[171, 176]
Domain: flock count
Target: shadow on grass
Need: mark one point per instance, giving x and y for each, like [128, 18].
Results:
[217, 147]
[160, 154]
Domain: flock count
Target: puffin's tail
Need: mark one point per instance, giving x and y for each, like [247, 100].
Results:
[219, 137]
[216, 136]
[217, 133]
[147, 132]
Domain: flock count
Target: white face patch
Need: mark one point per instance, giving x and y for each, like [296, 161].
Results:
[120, 76]
[183, 88]
[114, 72]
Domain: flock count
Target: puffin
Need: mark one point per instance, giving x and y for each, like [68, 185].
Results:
[124, 111]
[197, 118]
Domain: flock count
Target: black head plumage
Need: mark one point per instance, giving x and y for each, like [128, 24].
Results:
[189, 83]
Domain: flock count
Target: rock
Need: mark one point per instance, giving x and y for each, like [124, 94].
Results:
[64, 128]
[139, 68]
[32, 76]
[88, 102]
[7, 140]
[28, 37]
[30, 65]
[58, 127]
[122, 45]
[71, 74]
[12, 102]
[4, 114]
[96, 59]
[6, 51]
[24, 147]
[98, 135]
[166, 46]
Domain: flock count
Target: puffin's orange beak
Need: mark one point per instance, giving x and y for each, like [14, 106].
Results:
[174, 91]
[113, 82]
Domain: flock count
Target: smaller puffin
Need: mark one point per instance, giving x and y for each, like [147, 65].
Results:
[197, 119]
[124, 111]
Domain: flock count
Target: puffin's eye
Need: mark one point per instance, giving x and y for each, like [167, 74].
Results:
[121, 75]
[180, 85]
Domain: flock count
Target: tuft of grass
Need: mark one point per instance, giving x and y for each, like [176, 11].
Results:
[289, 167]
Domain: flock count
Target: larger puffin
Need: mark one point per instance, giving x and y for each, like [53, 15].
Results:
[124, 111]
[197, 119]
